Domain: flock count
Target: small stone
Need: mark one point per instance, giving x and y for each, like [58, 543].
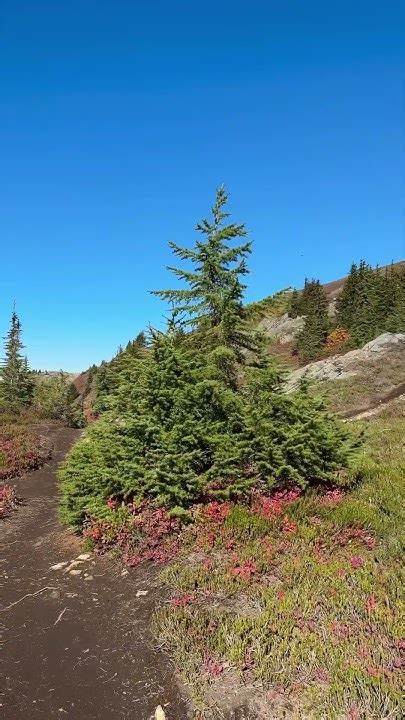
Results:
[84, 556]
[60, 565]
[141, 593]
[75, 572]
[159, 713]
[124, 573]
[88, 577]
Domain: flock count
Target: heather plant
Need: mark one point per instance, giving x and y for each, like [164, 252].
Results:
[20, 450]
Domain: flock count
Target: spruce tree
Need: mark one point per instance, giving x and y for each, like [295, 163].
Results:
[313, 304]
[213, 299]
[190, 420]
[395, 312]
[16, 385]
[295, 304]
[347, 300]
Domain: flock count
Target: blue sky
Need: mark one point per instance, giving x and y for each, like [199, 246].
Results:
[118, 119]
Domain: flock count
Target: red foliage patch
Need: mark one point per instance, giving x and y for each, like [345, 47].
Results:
[20, 451]
[244, 571]
[271, 506]
[8, 500]
[289, 526]
[332, 497]
[350, 534]
[356, 561]
[213, 667]
[216, 511]
[147, 534]
[183, 600]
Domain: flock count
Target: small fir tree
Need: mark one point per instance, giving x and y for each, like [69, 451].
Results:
[17, 384]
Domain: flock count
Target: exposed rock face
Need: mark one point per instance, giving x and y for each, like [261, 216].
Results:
[339, 367]
[284, 328]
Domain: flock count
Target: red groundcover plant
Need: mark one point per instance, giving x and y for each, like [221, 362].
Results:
[8, 500]
[141, 531]
[20, 451]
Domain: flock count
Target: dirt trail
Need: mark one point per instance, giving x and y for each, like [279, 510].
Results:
[74, 645]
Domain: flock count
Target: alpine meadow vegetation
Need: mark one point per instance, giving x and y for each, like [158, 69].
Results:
[278, 526]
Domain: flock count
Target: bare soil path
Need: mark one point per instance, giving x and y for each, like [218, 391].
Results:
[75, 642]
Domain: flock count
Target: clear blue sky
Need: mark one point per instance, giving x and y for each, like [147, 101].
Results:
[119, 118]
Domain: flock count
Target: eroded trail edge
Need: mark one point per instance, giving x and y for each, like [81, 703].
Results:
[75, 628]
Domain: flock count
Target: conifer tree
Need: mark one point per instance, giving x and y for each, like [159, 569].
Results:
[190, 420]
[346, 302]
[313, 304]
[213, 299]
[295, 304]
[16, 385]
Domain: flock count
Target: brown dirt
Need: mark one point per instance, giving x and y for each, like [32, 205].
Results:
[77, 645]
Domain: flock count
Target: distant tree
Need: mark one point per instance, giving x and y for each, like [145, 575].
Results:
[314, 305]
[347, 300]
[54, 398]
[295, 304]
[140, 340]
[16, 385]
[395, 317]
[371, 302]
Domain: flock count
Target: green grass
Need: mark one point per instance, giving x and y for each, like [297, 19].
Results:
[273, 305]
[318, 621]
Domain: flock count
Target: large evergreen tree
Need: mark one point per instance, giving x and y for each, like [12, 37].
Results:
[190, 420]
[16, 386]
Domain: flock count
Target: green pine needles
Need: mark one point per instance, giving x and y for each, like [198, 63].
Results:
[16, 384]
[212, 300]
[201, 413]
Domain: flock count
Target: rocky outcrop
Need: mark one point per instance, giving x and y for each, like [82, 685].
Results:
[282, 329]
[339, 367]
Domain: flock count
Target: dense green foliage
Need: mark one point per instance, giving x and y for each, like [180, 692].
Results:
[195, 416]
[371, 302]
[212, 302]
[16, 383]
[313, 304]
[57, 399]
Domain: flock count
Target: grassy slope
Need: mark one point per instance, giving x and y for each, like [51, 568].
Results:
[303, 607]
[373, 379]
